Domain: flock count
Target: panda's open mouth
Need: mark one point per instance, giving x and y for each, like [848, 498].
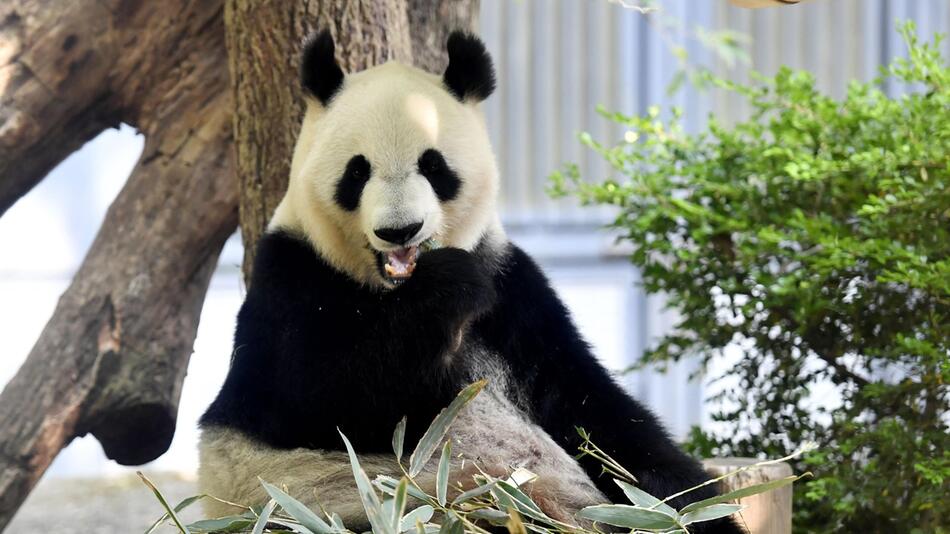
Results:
[399, 264]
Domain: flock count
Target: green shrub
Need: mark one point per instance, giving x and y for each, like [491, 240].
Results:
[813, 238]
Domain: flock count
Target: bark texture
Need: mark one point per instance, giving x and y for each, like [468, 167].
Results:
[764, 513]
[112, 358]
[68, 70]
[264, 39]
[53, 95]
[432, 21]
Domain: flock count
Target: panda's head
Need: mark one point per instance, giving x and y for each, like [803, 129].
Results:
[392, 160]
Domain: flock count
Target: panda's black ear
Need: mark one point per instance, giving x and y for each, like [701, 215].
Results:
[320, 74]
[470, 74]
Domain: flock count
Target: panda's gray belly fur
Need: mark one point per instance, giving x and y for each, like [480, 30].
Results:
[492, 432]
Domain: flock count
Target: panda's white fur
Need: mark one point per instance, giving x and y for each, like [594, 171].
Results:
[490, 436]
[390, 113]
[326, 340]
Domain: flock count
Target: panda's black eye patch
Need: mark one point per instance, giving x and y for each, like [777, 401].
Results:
[350, 187]
[443, 179]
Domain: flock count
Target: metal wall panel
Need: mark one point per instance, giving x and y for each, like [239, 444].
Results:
[557, 60]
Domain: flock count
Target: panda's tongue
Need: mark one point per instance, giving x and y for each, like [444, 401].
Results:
[401, 262]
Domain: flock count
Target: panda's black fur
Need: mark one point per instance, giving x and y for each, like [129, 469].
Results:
[316, 351]
[319, 73]
[470, 74]
[314, 346]
[350, 186]
[445, 182]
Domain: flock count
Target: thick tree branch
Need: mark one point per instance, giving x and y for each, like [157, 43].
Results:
[112, 358]
[52, 95]
[69, 70]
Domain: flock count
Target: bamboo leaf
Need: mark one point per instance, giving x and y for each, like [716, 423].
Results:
[371, 503]
[452, 525]
[521, 500]
[624, 515]
[474, 492]
[399, 503]
[754, 489]
[442, 475]
[521, 476]
[289, 524]
[420, 515]
[263, 517]
[644, 500]
[387, 509]
[185, 503]
[309, 520]
[337, 521]
[495, 517]
[161, 499]
[388, 484]
[399, 438]
[503, 500]
[232, 523]
[427, 528]
[440, 426]
[708, 513]
[515, 524]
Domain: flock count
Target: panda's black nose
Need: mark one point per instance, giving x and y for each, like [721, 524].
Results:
[398, 236]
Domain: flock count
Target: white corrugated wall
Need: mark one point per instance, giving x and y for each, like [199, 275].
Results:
[558, 59]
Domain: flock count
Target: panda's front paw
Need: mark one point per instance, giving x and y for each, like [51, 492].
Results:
[454, 279]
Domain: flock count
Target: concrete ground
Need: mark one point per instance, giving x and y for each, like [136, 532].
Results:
[101, 505]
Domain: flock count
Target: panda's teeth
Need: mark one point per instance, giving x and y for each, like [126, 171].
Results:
[401, 262]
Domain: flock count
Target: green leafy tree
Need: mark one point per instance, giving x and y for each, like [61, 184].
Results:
[813, 238]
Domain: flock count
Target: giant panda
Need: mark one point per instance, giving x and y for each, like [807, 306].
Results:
[383, 285]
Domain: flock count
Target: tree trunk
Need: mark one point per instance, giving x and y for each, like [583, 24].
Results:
[112, 358]
[69, 70]
[264, 39]
[52, 92]
[431, 22]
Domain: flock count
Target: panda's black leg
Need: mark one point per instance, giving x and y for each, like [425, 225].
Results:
[567, 388]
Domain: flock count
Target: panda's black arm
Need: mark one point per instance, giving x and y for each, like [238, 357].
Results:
[315, 351]
[568, 388]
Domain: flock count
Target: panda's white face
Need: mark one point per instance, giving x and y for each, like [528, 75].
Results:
[391, 163]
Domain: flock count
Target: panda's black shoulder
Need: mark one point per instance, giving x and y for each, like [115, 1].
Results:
[518, 275]
[528, 318]
[290, 283]
[292, 288]
[284, 258]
